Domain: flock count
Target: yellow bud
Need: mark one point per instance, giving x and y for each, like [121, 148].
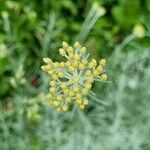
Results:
[71, 69]
[46, 68]
[96, 72]
[53, 83]
[59, 98]
[50, 72]
[50, 102]
[56, 65]
[102, 62]
[76, 80]
[90, 79]
[101, 10]
[82, 106]
[93, 63]
[47, 60]
[52, 90]
[85, 101]
[68, 64]
[54, 76]
[88, 86]
[79, 101]
[81, 66]
[78, 96]
[100, 69]
[68, 99]
[85, 91]
[62, 52]
[75, 64]
[71, 93]
[138, 31]
[61, 74]
[70, 49]
[65, 107]
[77, 45]
[83, 50]
[66, 91]
[84, 61]
[104, 77]
[55, 103]
[49, 96]
[65, 44]
[76, 89]
[88, 73]
[62, 64]
[59, 109]
[63, 85]
[71, 55]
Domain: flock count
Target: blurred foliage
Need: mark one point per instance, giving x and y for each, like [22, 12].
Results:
[30, 30]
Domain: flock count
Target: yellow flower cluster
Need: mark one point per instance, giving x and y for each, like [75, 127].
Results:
[72, 80]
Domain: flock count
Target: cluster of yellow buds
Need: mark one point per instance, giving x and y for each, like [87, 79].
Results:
[72, 80]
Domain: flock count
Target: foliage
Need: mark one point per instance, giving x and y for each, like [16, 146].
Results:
[117, 117]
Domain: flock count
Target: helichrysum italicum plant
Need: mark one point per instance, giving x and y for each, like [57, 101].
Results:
[72, 80]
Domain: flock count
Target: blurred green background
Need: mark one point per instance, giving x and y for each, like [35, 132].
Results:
[118, 118]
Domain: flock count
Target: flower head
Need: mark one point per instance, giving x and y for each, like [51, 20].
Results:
[72, 80]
